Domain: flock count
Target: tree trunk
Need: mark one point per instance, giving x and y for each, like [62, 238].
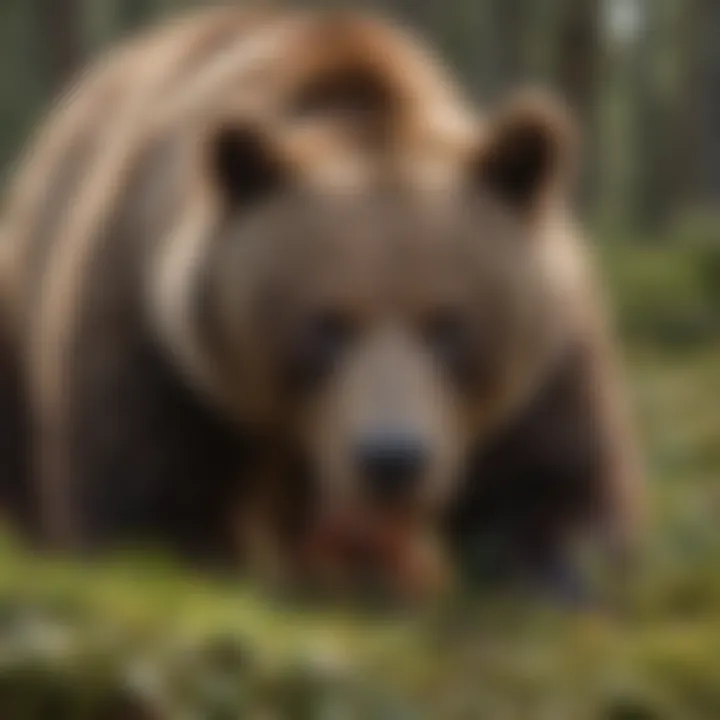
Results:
[647, 131]
[61, 39]
[579, 63]
[579, 54]
[415, 12]
[702, 100]
[506, 44]
[663, 119]
[132, 14]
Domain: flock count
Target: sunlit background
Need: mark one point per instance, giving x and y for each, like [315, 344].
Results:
[644, 78]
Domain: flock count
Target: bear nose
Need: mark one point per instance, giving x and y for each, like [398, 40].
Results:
[392, 464]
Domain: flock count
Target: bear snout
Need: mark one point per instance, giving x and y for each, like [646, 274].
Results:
[391, 464]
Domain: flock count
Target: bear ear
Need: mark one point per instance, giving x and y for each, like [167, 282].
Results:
[529, 153]
[246, 165]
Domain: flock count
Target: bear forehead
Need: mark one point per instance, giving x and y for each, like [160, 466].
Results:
[384, 242]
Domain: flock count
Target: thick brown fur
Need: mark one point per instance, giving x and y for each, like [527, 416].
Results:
[136, 418]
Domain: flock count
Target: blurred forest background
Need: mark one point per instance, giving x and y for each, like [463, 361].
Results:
[644, 78]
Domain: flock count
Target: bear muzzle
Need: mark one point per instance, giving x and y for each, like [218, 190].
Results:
[392, 464]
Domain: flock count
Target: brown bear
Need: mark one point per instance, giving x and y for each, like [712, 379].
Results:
[271, 285]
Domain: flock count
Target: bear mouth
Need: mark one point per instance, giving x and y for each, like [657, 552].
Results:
[388, 556]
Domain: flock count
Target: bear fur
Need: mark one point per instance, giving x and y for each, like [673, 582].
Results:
[186, 203]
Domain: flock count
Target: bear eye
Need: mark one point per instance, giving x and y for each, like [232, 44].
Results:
[447, 333]
[322, 340]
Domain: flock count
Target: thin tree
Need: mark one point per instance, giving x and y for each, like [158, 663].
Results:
[579, 63]
[61, 39]
[701, 101]
[507, 43]
[659, 119]
[131, 14]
